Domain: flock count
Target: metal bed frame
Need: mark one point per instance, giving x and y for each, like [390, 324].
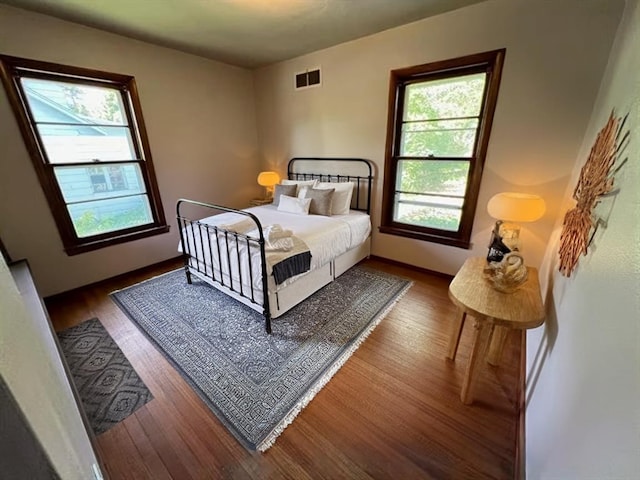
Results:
[213, 239]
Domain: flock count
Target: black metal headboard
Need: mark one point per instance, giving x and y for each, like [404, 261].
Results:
[356, 170]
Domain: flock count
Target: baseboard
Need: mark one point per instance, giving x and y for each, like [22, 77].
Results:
[411, 267]
[168, 262]
[519, 470]
[173, 260]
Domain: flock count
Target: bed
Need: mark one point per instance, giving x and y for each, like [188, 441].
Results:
[278, 249]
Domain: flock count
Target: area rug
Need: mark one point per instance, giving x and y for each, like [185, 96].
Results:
[254, 382]
[109, 387]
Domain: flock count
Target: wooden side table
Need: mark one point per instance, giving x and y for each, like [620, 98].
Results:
[473, 295]
[256, 202]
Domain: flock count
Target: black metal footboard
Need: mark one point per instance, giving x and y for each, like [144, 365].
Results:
[215, 254]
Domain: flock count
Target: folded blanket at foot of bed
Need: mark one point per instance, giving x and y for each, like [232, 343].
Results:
[288, 255]
[289, 263]
[275, 238]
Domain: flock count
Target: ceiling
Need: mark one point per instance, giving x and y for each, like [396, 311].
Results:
[247, 33]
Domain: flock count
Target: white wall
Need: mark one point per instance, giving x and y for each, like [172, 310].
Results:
[31, 367]
[556, 53]
[583, 382]
[200, 118]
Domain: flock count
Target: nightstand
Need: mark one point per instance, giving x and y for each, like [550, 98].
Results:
[256, 202]
[491, 310]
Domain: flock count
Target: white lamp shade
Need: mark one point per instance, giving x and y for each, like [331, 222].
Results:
[268, 179]
[516, 207]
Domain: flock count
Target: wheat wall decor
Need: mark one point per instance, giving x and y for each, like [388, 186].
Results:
[596, 180]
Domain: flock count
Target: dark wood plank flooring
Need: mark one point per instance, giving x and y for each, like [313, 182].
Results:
[392, 411]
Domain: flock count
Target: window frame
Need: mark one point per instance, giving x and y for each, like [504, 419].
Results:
[490, 62]
[14, 68]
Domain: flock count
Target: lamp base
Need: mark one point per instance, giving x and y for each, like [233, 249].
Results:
[269, 191]
[510, 234]
[497, 248]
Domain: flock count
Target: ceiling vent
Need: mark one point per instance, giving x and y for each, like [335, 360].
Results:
[307, 79]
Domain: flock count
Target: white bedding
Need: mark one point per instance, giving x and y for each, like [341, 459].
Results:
[326, 237]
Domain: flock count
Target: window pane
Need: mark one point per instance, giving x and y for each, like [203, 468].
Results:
[62, 102]
[73, 143]
[443, 213]
[445, 98]
[101, 216]
[81, 184]
[443, 138]
[79, 123]
[444, 177]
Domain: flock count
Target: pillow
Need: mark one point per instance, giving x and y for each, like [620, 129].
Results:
[320, 200]
[299, 184]
[289, 190]
[294, 205]
[341, 203]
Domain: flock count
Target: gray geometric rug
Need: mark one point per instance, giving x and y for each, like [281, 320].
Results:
[109, 387]
[254, 382]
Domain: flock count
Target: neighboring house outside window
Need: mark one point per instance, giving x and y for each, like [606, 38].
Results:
[440, 117]
[106, 179]
[85, 134]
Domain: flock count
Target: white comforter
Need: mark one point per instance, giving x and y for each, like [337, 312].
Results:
[326, 237]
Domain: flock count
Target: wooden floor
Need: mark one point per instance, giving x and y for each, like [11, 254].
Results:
[392, 411]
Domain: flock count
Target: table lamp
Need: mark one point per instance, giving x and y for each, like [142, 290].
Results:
[511, 208]
[268, 180]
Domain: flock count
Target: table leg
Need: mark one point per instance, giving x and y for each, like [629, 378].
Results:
[497, 344]
[456, 331]
[477, 352]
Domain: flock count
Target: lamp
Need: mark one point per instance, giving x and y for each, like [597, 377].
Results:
[510, 207]
[268, 180]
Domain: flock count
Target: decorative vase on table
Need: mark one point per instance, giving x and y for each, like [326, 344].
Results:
[507, 275]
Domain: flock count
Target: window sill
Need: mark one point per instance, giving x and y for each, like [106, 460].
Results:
[98, 244]
[427, 237]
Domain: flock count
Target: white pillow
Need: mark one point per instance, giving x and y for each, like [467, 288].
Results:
[299, 184]
[341, 201]
[294, 205]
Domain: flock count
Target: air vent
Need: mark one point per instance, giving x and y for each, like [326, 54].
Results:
[308, 78]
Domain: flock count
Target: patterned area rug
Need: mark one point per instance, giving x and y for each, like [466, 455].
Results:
[254, 382]
[109, 387]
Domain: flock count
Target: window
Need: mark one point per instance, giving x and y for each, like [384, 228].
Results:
[440, 118]
[85, 134]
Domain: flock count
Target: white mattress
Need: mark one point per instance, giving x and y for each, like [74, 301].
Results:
[326, 237]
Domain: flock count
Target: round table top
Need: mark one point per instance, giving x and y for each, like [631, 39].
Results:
[473, 293]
